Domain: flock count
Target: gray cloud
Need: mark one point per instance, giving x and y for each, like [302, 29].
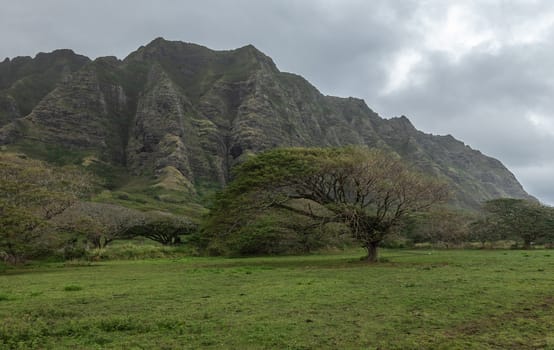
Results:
[479, 70]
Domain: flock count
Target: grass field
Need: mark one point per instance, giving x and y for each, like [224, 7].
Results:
[416, 300]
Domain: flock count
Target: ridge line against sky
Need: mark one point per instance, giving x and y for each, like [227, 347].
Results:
[479, 70]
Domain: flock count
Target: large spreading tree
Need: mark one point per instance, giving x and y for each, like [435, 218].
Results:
[369, 190]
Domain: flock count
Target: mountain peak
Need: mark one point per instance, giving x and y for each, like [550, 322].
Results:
[253, 53]
[57, 52]
[161, 42]
[206, 110]
[159, 39]
[161, 49]
[250, 48]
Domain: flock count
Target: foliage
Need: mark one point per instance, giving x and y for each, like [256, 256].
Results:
[445, 226]
[142, 193]
[163, 228]
[32, 194]
[278, 231]
[510, 218]
[98, 223]
[136, 250]
[368, 190]
[483, 230]
[50, 153]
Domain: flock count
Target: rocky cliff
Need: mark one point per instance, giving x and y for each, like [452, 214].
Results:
[183, 115]
[24, 81]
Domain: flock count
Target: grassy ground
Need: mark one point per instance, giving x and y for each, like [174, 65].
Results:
[416, 300]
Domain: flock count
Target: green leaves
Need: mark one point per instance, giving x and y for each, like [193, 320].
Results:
[367, 189]
[31, 194]
[520, 219]
[162, 228]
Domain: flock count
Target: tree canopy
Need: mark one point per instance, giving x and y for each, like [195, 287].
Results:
[33, 193]
[441, 225]
[369, 190]
[161, 227]
[519, 219]
[99, 223]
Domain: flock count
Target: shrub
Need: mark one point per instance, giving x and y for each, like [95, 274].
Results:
[72, 288]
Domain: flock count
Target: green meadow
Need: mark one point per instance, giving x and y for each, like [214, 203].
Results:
[419, 299]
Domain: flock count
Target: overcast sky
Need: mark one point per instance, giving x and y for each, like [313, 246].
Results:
[482, 71]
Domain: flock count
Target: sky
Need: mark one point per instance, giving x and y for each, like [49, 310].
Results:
[481, 71]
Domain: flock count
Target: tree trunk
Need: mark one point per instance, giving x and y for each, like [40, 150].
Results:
[96, 241]
[14, 259]
[526, 244]
[106, 242]
[372, 253]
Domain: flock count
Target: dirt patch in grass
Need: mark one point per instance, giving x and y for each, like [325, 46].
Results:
[535, 321]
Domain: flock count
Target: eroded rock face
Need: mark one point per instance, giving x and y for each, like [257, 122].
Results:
[73, 115]
[157, 134]
[183, 114]
[9, 110]
[24, 81]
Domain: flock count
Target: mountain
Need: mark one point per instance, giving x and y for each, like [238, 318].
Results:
[24, 81]
[172, 118]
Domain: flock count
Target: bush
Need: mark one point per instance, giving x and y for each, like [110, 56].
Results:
[132, 251]
[74, 251]
[261, 238]
[397, 242]
[72, 288]
[275, 232]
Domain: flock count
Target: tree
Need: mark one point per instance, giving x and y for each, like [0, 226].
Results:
[369, 190]
[99, 223]
[162, 227]
[19, 236]
[32, 193]
[520, 219]
[441, 225]
[483, 230]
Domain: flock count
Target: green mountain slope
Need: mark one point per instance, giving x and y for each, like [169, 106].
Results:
[179, 116]
[24, 81]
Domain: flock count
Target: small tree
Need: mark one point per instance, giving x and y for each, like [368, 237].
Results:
[441, 225]
[99, 223]
[368, 190]
[163, 228]
[484, 230]
[32, 193]
[520, 219]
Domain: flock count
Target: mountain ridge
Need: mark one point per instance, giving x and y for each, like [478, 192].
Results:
[181, 110]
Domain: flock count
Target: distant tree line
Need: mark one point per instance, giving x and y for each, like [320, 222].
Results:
[307, 198]
[283, 201]
[44, 209]
[525, 221]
